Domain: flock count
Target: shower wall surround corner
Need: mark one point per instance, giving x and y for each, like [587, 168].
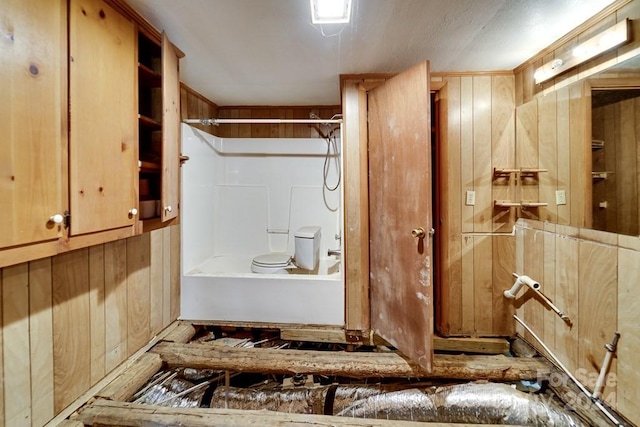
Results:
[242, 197]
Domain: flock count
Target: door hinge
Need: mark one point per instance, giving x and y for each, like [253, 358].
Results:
[67, 219]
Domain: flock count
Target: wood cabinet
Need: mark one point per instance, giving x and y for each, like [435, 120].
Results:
[32, 119]
[76, 130]
[158, 127]
[103, 140]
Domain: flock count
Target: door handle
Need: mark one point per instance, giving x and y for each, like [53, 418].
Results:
[418, 232]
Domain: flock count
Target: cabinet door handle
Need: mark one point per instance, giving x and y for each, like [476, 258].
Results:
[56, 219]
[183, 159]
[133, 211]
[168, 208]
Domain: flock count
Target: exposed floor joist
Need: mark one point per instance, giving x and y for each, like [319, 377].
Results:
[107, 413]
[349, 364]
[455, 344]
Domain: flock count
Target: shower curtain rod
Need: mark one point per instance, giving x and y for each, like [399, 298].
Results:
[218, 122]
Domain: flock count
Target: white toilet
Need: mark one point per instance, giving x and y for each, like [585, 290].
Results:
[307, 253]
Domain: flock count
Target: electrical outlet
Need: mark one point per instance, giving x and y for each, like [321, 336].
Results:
[471, 198]
[561, 197]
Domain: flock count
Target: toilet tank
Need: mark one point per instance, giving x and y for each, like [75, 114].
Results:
[307, 241]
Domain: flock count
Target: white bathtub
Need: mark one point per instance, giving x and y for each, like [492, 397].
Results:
[223, 288]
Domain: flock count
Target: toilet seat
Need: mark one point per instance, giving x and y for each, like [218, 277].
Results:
[274, 262]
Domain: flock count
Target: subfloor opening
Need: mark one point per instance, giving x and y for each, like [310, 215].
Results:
[207, 372]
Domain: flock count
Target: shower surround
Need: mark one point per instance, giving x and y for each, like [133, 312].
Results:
[242, 197]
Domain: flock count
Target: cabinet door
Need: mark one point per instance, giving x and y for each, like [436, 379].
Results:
[401, 251]
[103, 157]
[32, 117]
[170, 130]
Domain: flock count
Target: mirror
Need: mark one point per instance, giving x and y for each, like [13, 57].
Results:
[615, 124]
[615, 131]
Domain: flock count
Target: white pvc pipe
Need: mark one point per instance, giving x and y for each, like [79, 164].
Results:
[521, 280]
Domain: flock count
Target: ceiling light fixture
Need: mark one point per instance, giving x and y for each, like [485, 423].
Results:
[330, 11]
[610, 38]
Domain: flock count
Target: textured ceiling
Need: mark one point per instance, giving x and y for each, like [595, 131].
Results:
[267, 52]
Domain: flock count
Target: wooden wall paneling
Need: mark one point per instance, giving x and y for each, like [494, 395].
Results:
[503, 269]
[627, 168]
[482, 153]
[503, 148]
[563, 170]
[192, 109]
[156, 259]
[16, 352]
[467, 178]
[260, 130]
[356, 212]
[41, 340]
[97, 298]
[467, 301]
[138, 285]
[598, 303]
[610, 130]
[580, 158]
[174, 251]
[166, 276]
[483, 284]
[548, 281]
[466, 142]
[567, 298]
[548, 150]
[519, 264]
[599, 164]
[184, 108]
[483, 208]
[527, 155]
[71, 330]
[502, 155]
[451, 214]
[115, 277]
[533, 307]
[628, 375]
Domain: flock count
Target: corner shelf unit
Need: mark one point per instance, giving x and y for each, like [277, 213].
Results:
[150, 112]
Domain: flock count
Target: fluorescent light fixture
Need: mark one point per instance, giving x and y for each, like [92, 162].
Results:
[330, 11]
[610, 38]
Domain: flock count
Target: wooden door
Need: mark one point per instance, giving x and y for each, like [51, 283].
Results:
[32, 119]
[103, 153]
[400, 205]
[170, 130]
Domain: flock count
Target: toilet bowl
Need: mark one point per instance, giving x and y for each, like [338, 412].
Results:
[307, 253]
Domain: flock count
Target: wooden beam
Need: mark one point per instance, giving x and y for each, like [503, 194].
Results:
[355, 365]
[131, 380]
[338, 336]
[107, 413]
[472, 345]
[181, 332]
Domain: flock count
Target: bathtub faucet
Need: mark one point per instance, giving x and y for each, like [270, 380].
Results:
[336, 252]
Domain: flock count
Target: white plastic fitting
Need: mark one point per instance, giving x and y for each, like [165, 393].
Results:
[133, 211]
[521, 280]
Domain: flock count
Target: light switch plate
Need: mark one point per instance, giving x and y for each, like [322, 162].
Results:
[561, 197]
[471, 198]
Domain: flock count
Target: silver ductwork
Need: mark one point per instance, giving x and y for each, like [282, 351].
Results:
[480, 403]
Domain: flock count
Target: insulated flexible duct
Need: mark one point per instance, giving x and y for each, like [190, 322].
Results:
[481, 403]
